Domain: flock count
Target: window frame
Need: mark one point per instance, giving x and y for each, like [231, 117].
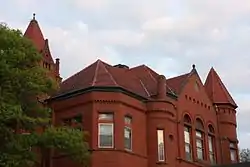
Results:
[199, 128]
[201, 139]
[159, 151]
[187, 124]
[211, 138]
[99, 134]
[128, 125]
[188, 129]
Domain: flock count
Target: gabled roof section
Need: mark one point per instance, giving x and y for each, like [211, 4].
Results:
[148, 79]
[216, 90]
[34, 33]
[177, 83]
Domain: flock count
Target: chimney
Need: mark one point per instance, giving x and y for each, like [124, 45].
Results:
[161, 87]
[57, 65]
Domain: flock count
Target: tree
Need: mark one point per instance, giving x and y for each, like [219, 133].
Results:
[22, 81]
[245, 155]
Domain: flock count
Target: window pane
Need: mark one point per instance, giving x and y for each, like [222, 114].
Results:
[188, 152]
[187, 136]
[212, 159]
[210, 143]
[198, 134]
[106, 116]
[106, 129]
[77, 119]
[199, 143]
[106, 135]
[233, 155]
[232, 145]
[199, 153]
[187, 148]
[160, 142]
[128, 138]
[127, 120]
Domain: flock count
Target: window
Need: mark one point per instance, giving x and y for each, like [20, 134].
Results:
[128, 133]
[187, 137]
[211, 145]
[233, 152]
[105, 130]
[199, 145]
[75, 122]
[105, 135]
[160, 144]
[66, 122]
[188, 148]
[105, 117]
[199, 139]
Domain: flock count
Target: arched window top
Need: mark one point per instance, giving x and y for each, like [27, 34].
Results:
[199, 124]
[187, 119]
[210, 128]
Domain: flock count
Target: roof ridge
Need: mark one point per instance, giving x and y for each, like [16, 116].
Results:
[144, 87]
[214, 83]
[150, 74]
[95, 75]
[225, 91]
[110, 75]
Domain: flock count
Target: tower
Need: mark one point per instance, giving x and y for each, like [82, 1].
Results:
[34, 33]
[226, 116]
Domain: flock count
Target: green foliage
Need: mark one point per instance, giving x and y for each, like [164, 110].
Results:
[245, 155]
[22, 81]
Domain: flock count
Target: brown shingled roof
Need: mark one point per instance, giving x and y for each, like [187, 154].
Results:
[103, 74]
[216, 90]
[140, 80]
[34, 33]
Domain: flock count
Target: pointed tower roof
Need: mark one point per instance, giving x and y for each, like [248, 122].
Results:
[216, 90]
[46, 52]
[34, 33]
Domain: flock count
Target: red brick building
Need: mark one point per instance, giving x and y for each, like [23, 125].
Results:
[136, 117]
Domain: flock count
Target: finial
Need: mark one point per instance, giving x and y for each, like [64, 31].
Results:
[34, 16]
[193, 66]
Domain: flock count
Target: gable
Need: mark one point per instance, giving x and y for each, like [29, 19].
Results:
[193, 88]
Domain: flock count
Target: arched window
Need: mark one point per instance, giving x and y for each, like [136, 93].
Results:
[199, 133]
[211, 144]
[187, 137]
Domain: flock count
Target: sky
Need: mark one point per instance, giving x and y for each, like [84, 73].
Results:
[167, 35]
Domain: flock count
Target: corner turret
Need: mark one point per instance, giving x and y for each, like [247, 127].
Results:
[34, 33]
[161, 115]
[225, 108]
